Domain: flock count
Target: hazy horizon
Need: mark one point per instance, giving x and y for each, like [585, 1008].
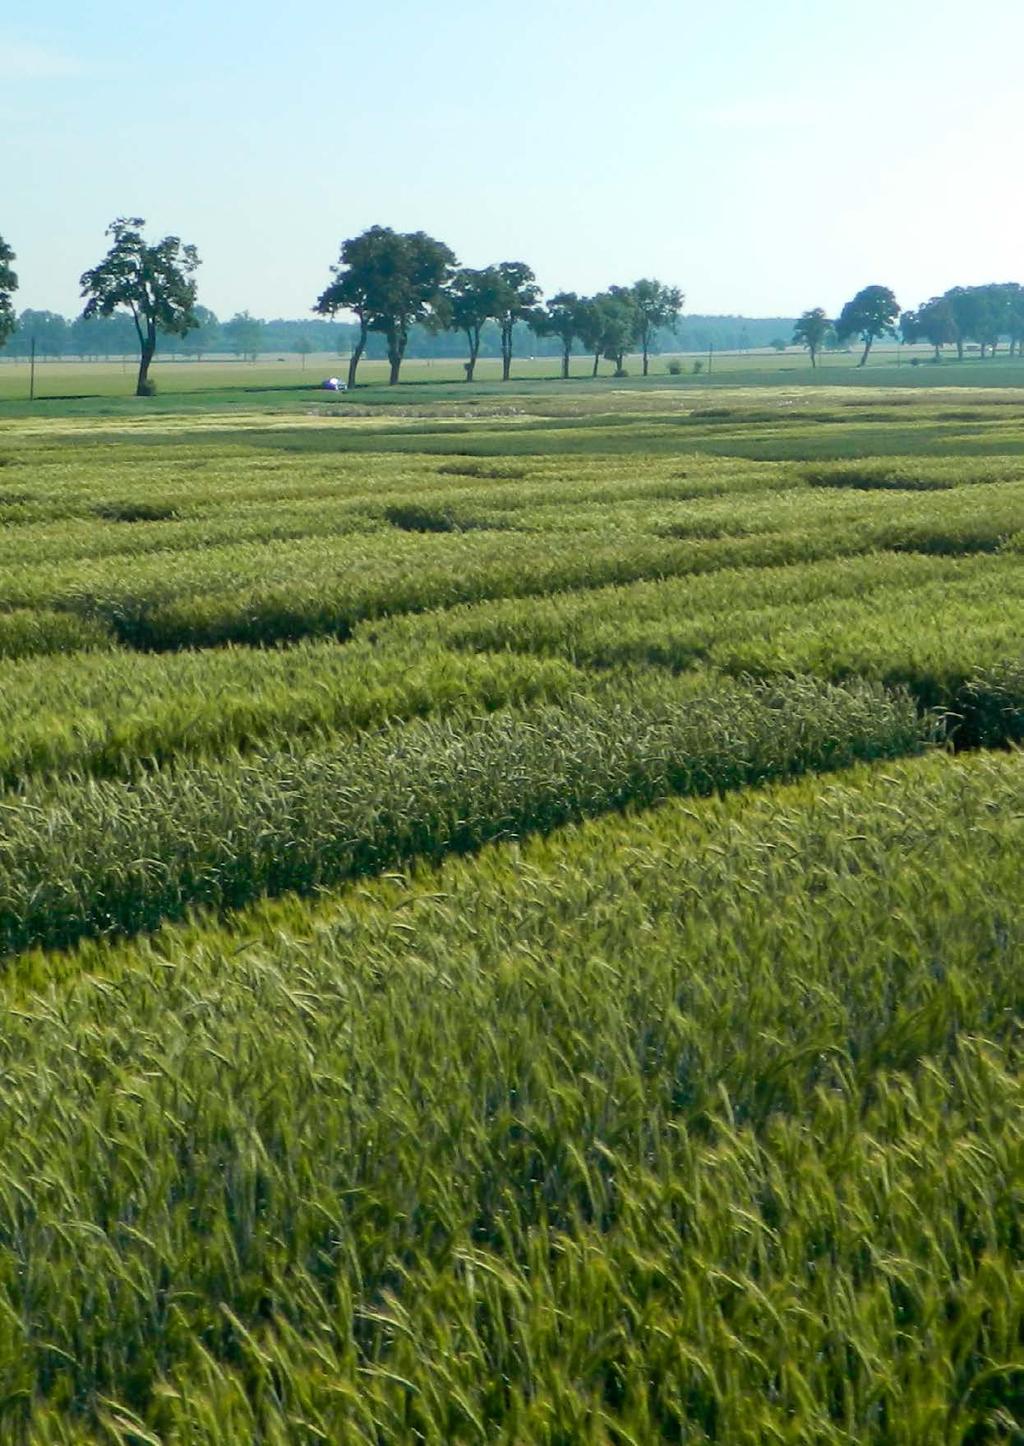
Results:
[765, 159]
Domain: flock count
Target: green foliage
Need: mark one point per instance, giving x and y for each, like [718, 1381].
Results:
[870, 314]
[812, 331]
[517, 294]
[8, 286]
[244, 334]
[154, 283]
[471, 299]
[390, 280]
[559, 316]
[657, 309]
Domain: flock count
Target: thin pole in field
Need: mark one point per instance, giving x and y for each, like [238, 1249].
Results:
[32, 373]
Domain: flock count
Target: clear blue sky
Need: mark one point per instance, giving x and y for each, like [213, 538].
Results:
[765, 155]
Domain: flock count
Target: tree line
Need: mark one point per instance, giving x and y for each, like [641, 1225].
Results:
[390, 281]
[246, 336]
[963, 316]
[400, 285]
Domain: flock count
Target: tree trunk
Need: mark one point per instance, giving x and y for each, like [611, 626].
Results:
[506, 350]
[645, 356]
[565, 364]
[936, 345]
[146, 353]
[959, 349]
[867, 348]
[356, 356]
[397, 338]
[474, 352]
[814, 356]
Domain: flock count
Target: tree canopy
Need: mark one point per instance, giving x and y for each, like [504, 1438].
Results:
[811, 331]
[518, 294]
[621, 324]
[559, 316]
[244, 334]
[470, 300]
[153, 283]
[870, 314]
[8, 286]
[357, 286]
[390, 279]
[657, 308]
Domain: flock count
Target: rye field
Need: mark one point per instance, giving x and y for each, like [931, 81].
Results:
[510, 913]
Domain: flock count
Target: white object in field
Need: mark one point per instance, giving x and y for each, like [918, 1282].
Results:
[332, 384]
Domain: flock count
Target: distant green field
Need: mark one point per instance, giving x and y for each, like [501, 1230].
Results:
[510, 901]
[76, 380]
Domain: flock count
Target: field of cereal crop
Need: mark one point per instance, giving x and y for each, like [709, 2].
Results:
[510, 912]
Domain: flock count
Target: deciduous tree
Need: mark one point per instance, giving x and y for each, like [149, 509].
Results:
[811, 331]
[154, 283]
[561, 317]
[8, 286]
[621, 329]
[518, 295]
[657, 306]
[870, 314]
[359, 280]
[389, 279]
[590, 327]
[244, 334]
[471, 299]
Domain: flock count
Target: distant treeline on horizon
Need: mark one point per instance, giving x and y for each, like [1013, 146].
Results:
[244, 336]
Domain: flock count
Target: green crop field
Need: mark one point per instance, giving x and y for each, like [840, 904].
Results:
[510, 907]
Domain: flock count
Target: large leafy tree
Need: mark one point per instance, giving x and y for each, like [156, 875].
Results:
[155, 284]
[657, 307]
[870, 314]
[358, 286]
[518, 295]
[561, 317]
[471, 299]
[1015, 317]
[8, 286]
[389, 279]
[621, 328]
[48, 329]
[811, 331]
[933, 322]
[590, 326]
[606, 325]
[413, 286]
[971, 308]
